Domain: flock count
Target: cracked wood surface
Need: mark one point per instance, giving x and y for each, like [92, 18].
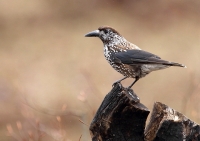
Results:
[121, 117]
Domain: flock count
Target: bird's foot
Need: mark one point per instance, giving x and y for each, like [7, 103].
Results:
[117, 83]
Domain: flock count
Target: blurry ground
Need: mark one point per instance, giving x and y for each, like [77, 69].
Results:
[48, 64]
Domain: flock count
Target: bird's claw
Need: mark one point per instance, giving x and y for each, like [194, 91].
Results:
[116, 83]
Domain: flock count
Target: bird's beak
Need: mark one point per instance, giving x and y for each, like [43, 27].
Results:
[94, 33]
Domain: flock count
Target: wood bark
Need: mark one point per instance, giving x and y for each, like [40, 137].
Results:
[166, 124]
[121, 117]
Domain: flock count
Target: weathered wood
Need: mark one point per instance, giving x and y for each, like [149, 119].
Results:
[121, 117]
[166, 124]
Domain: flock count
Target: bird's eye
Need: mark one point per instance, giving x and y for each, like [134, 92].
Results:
[105, 31]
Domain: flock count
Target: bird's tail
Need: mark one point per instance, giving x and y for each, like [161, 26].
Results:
[177, 64]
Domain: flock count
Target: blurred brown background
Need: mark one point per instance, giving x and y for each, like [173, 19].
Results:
[51, 76]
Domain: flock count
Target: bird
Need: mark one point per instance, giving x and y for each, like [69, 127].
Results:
[126, 57]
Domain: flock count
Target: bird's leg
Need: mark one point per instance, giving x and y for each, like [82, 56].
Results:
[119, 80]
[136, 79]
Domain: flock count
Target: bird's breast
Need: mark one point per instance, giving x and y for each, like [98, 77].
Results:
[125, 70]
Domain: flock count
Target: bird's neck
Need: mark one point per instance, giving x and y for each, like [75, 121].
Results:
[119, 45]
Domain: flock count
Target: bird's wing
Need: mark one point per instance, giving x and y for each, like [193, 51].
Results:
[136, 57]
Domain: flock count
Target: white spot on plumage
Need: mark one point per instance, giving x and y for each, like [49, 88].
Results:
[116, 43]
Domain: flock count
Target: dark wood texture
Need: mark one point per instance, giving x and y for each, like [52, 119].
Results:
[121, 117]
[166, 124]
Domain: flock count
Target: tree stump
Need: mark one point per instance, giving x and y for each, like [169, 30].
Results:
[166, 124]
[121, 117]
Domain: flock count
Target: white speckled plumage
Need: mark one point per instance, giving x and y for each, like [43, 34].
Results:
[127, 58]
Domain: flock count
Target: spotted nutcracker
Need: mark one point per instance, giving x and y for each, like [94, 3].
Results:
[127, 58]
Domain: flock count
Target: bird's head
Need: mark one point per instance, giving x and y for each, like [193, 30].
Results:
[105, 33]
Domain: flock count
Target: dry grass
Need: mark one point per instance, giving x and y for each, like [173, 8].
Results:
[46, 62]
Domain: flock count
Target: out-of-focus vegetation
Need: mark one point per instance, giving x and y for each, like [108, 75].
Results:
[52, 78]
